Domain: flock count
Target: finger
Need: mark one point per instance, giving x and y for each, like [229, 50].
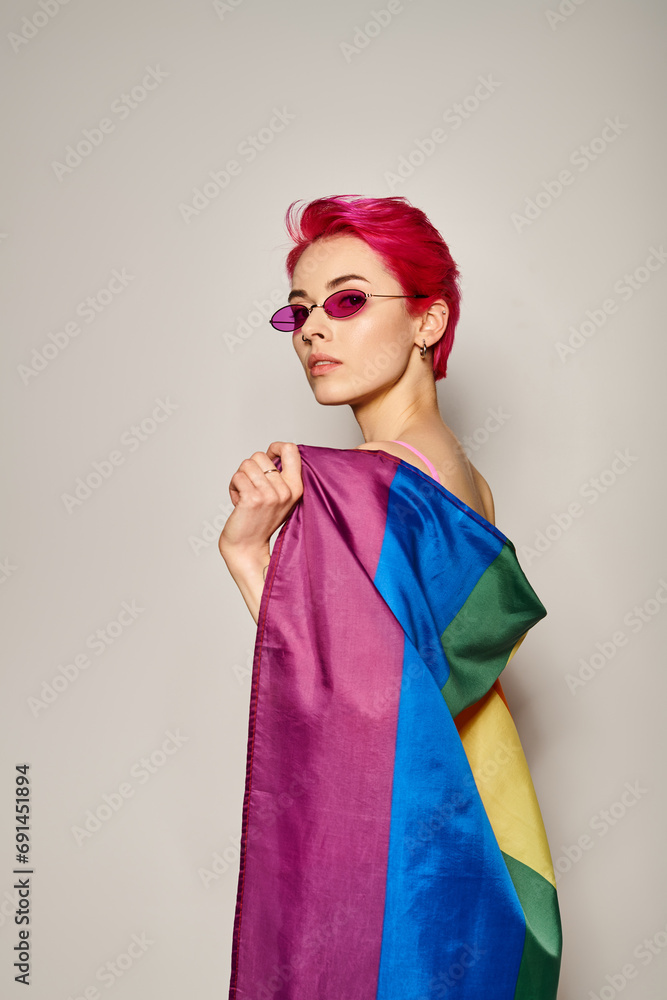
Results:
[265, 476]
[291, 465]
[263, 461]
[248, 478]
[253, 479]
[290, 458]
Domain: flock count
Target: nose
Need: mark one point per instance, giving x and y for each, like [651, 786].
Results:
[316, 324]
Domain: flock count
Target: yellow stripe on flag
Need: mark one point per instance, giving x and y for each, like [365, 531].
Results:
[501, 773]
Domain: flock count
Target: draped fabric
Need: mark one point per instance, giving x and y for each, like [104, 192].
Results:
[392, 845]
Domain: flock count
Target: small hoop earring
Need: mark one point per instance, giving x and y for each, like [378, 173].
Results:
[422, 349]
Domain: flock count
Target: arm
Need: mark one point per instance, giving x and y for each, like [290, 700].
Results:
[249, 573]
[263, 497]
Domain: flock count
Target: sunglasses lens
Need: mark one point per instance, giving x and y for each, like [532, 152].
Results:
[289, 318]
[340, 305]
[345, 303]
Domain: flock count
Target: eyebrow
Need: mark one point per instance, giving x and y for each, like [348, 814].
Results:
[330, 285]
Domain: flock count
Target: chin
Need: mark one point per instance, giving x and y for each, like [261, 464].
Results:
[331, 397]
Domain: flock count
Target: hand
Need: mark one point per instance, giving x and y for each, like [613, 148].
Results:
[262, 499]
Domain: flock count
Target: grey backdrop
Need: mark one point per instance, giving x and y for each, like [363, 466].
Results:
[151, 151]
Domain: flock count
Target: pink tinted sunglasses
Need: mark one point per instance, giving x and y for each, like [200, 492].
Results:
[340, 305]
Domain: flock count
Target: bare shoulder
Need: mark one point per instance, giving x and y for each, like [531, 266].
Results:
[399, 451]
[456, 471]
[485, 493]
[395, 449]
[461, 478]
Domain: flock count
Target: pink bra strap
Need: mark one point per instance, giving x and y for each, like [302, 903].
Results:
[423, 457]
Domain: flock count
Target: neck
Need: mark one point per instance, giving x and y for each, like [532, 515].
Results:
[406, 407]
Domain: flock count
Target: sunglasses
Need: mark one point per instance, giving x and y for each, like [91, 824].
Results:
[347, 302]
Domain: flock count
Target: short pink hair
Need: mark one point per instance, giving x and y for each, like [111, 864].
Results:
[409, 245]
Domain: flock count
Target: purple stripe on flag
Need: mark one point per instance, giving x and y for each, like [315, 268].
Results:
[321, 747]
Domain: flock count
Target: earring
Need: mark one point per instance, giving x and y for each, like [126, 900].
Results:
[422, 350]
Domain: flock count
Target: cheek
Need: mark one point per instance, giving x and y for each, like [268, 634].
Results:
[370, 359]
[385, 343]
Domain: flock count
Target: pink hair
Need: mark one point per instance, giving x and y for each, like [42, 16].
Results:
[411, 248]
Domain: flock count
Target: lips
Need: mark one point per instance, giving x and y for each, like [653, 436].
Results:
[322, 369]
[314, 358]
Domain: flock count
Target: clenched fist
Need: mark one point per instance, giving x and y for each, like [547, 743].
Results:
[263, 498]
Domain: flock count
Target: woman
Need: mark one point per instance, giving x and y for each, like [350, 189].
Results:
[398, 398]
[392, 843]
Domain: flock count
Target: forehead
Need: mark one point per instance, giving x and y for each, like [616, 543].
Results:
[324, 258]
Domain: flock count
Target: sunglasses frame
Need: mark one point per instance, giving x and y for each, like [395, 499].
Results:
[340, 291]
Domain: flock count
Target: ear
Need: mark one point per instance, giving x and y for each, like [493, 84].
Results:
[432, 323]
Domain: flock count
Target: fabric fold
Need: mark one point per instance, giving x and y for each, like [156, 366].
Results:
[392, 844]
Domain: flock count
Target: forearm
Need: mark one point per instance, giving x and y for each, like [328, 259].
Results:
[248, 570]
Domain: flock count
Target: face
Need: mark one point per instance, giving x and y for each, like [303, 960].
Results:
[374, 346]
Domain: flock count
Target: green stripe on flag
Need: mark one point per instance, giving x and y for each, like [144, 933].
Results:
[540, 962]
[500, 608]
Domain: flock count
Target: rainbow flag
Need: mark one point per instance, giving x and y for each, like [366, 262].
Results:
[392, 845]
